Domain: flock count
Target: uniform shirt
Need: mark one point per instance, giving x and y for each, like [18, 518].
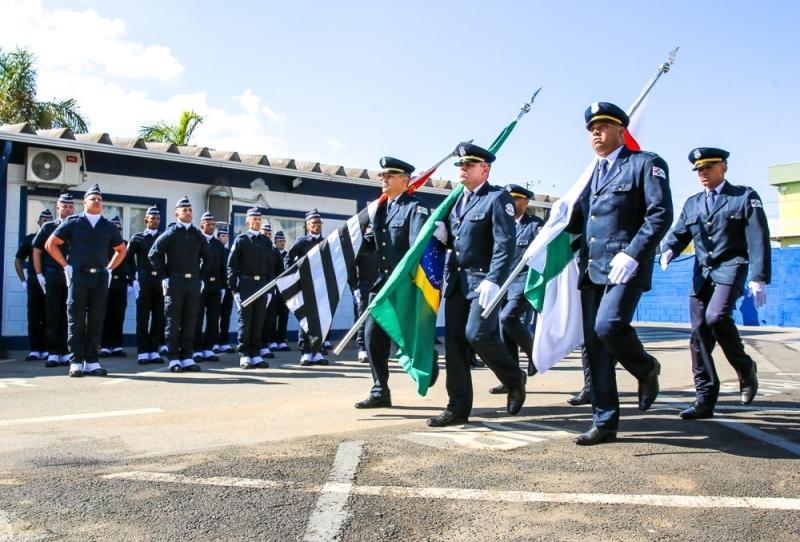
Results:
[25, 254]
[393, 234]
[215, 267]
[251, 255]
[124, 272]
[89, 246]
[138, 248]
[731, 240]
[41, 238]
[300, 248]
[178, 251]
[527, 228]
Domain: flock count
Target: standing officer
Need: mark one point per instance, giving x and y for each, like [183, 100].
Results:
[51, 278]
[310, 351]
[251, 265]
[213, 273]
[116, 304]
[480, 239]
[622, 215]
[268, 331]
[367, 267]
[394, 229]
[731, 236]
[176, 256]
[36, 320]
[147, 289]
[281, 310]
[223, 340]
[88, 269]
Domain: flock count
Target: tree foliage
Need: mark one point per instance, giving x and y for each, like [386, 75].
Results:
[179, 133]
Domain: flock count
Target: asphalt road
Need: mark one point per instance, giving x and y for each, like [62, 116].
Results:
[281, 454]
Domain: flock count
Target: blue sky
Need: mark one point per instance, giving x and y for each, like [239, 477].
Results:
[347, 82]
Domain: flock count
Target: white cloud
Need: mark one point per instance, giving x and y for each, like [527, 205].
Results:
[335, 144]
[252, 104]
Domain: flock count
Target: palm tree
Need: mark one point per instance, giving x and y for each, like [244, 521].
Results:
[18, 97]
[179, 133]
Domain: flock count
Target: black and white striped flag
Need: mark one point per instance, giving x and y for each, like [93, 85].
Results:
[313, 290]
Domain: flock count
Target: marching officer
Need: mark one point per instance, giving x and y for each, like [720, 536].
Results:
[310, 351]
[176, 255]
[116, 304]
[50, 276]
[88, 269]
[516, 311]
[213, 273]
[147, 290]
[251, 265]
[622, 215]
[731, 237]
[281, 310]
[223, 340]
[268, 331]
[23, 261]
[394, 228]
[479, 234]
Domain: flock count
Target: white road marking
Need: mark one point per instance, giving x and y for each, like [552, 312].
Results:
[488, 435]
[19, 382]
[84, 416]
[344, 489]
[329, 515]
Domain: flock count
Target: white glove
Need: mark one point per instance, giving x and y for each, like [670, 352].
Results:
[269, 298]
[24, 285]
[487, 290]
[68, 274]
[666, 257]
[440, 232]
[357, 296]
[202, 286]
[222, 294]
[164, 286]
[758, 290]
[40, 278]
[109, 271]
[622, 268]
[237, 297]
[136, 288]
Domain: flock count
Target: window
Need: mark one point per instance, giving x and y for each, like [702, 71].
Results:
[291, 227]
[131, 214]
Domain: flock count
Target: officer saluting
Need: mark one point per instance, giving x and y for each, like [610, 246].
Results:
[251, 265]
[480, 239]
[213, 273]
[731, 236]
[394, 229]
[36, 319]
[88, 270]
[622, 215]
[176, 256]
[147, 289]
[51, 278]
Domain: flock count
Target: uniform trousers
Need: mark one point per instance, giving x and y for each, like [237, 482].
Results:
[210, 304]
[225, 318]
[149, 315]
[37, 326]
[514, 317]
[358, 308]
[181, 305]
[55, 306]
[251, 318]
[86, 306]
[116, 304]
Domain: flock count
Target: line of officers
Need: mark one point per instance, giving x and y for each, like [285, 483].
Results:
[80, 274]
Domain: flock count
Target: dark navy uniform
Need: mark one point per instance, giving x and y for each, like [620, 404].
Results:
[251, 265]
[731, 239]
[36, 298]
[176, 255]
[281, 310]
[226, 307]
[270, 333]
[367, 267]
[55, 297]
[150, 300]
[213, 272]
[116, 305]
[300, 248]
[629, 210]
[481, 237]
[86, 300]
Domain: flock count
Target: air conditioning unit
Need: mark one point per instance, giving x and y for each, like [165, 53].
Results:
[53, 167]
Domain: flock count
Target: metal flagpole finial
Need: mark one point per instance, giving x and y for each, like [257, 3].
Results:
[526, 107]
[670, 61]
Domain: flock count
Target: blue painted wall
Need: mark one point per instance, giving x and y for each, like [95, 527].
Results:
[668, 301]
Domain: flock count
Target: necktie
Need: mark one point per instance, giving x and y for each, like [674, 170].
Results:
[389, 208]
[465, 201]
[711, 199]
[601, 174]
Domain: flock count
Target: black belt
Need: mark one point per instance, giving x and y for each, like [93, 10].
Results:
[92, 269]
[184, 275]
[116, 276]
[254, 277]
[212, 279]
[146, 272]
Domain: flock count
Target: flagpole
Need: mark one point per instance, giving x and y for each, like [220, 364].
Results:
[662, 69]
[270, 285]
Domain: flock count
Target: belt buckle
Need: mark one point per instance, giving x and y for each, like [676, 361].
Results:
[187, 275]
[212, 279]
[256, 277]
[153, 273]
[92, 270]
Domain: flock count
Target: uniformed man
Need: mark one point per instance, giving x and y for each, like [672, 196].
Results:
[36, 320]
[147, 290]
[223, 340]
[268, 331]
[622, 215]
[116, 304]
[50, 276]
[251, 265]
[310, 351]
[281, 310]
[177, 255]
[213, 273]
[394, 228]
[88, 270]
[479, 234]
[367, 267]
[731, 237]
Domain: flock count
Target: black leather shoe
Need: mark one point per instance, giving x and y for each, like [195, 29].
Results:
[595, 435]
[516, 397]
[697, 411]
[31, 357]
[305, 362]
[581, 398]
[648, 387]
[531, 369]
[375, 401]
[447, 418]
[500, 389]
[98, 372]
[322, 361]
[269, 355]
[193, 368]
[262, 365]
[50, 363]
[176, 369]
[748, 386]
